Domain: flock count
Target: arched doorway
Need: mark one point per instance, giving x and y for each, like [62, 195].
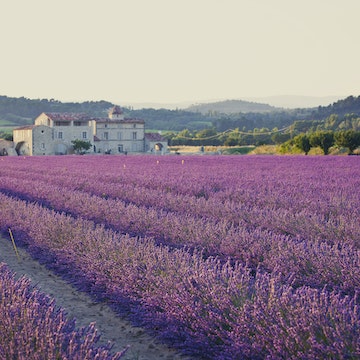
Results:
[20, 148]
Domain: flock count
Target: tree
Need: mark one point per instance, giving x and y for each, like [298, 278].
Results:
[8, 137]
[348, 138]
[279, 138]
[207, 137]
[184, 137]
[332, 122]
[302, 142]
[233, 138]
[80, 146]
[323, 139]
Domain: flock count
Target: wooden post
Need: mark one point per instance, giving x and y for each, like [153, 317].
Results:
[14, 245]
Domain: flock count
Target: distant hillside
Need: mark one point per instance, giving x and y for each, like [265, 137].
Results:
[22, 111]
[231, 107]
[221, 116]
[173, 120]
[296, 101]
[350, 105]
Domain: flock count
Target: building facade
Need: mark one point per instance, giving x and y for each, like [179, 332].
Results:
[53, 133]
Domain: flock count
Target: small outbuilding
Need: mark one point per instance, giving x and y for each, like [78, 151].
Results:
[155, 143]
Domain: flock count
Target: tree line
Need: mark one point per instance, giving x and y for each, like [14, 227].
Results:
[230, 137]
[349, 139]
[324, 139]
[23, 111]
[183, 127]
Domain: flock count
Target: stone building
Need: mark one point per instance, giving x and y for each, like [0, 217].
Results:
[155, 143]
[53, 133]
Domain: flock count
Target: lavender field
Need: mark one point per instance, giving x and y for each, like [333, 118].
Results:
[32, 327]
[222, 257]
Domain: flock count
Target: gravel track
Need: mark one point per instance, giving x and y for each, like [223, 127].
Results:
[80, 306]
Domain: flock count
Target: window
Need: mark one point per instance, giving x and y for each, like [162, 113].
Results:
[106, 135]
[77, 123]
[134, 135]
[119, 136]
[134, 126]
[120, 148]
[60, 135]
[42, 146]
[61, 123]
[84, 135]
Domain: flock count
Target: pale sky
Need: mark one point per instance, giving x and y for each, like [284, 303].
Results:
[131, 51]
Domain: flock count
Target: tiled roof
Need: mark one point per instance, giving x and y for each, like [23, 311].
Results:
[27, 127]
[120, 121]
[5, 143]
[154, 137]
[68, 116]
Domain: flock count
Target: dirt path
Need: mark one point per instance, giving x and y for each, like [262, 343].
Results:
[80, 306]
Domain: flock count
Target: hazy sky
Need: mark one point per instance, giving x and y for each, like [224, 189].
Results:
[178, 50]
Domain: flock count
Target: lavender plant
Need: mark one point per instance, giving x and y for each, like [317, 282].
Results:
[227, 257]
[32, 327]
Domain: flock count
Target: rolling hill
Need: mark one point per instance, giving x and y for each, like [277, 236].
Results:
[221, 115]
[231, 107]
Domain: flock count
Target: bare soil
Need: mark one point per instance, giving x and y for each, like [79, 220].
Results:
[114, 329]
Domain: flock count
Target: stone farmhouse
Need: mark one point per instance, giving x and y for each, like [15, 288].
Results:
[53, 133]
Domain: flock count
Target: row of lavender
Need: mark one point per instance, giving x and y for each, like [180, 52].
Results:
[261, 214]
[322, 195]
[245, 227]
[205, 307]
[31, 327]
